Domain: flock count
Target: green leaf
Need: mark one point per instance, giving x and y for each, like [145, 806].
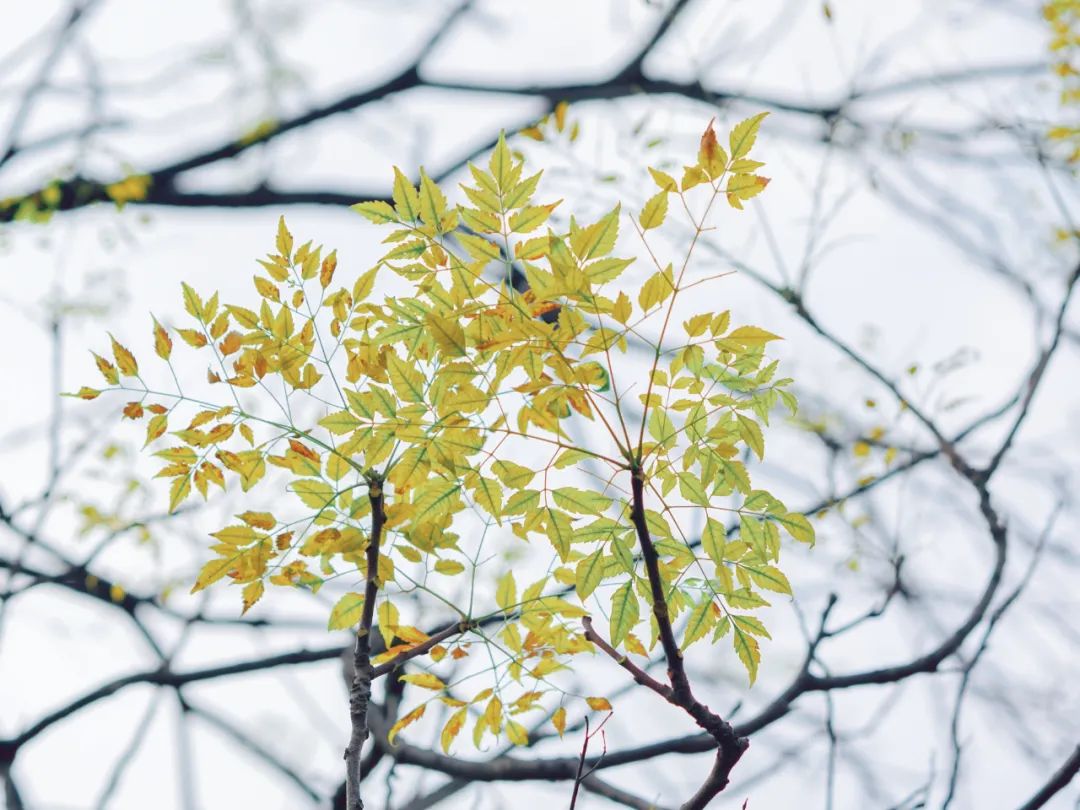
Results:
[340, 422]
[746, 647]
[690, 488]
[501, 164]
[377, 211]
[700, 621]
[598, 239]
[797, 526]
[313, 492]
[750, 625]
[346, 612]
[560, 532]
[768, 577]
[530, 218]
[432, 500]
[513, 475]
[488, 494]
[589, 574]
[752, 533]
[713, 540]
[625, 613]
[581, 501]
[744, 134]
[569, 457]
[521, 502]
[661, 427]
[750, 432]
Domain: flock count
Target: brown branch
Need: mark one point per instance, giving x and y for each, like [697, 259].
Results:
[449, 631]
[636, 672]
[360, 692]
[729, 745]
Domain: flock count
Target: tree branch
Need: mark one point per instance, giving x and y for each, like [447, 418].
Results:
[360, 692]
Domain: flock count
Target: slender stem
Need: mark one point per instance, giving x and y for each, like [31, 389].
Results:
[581, 766]
[360, 692]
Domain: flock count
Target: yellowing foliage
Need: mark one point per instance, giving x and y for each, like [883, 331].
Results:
[431, 396]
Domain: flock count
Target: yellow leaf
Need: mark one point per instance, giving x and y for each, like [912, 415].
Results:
[652, 215]
[425, 680]
[192, 303]
[743, 187]
[284, 239]
[516, 733]
[259, 520]
[236, 535]
[622, 309]
[193, 338]
[598, 704]
[178, 492]
[266, 289]
[656, 289]
[107, 369]
[251, 594]
[326, 271]
[693, 176]
[364, 285]
[125, 360]
[558, 719]
[493, 715]
[449, 567]
[407, 381]
[346, 612]
[156, 428]
[407, 720]
[432, 202]
[212, 571]
[506, 593]
[448, 334]
[406, 200]
[162, 341]
[388, 619]
[452, 728]
[664, 180]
